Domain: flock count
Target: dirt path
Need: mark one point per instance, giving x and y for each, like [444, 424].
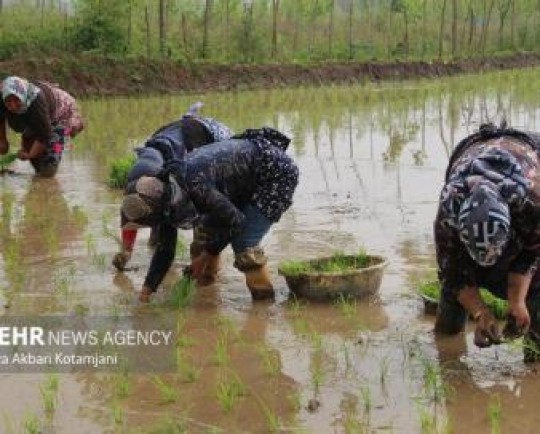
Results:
[94, 76]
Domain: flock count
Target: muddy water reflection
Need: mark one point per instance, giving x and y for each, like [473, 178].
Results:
[372, 161]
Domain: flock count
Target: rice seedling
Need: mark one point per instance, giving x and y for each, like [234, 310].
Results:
[384, 366]
[273, 422]
[182, 292]
[187, 370]
[295, 399]
[31, 424]
[228, 391]
[117, 414]
[317, 371]
[221, 352]
[100, 261]
[48, 393]
[270, 360]
[119, 171]
[431, 290]
[434, 386]
[428, 421]
[367, 399]
[351, 424]
[167, 391]
[90, 244]
[122, 385]
[347, 306]
[495, 414]
[79, 216]
[6, 160]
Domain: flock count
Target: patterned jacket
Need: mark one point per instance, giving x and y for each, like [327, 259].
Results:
[219, 181]
[510, 160]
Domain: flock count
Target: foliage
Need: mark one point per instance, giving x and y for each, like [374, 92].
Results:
[241, 31]
[99, 26]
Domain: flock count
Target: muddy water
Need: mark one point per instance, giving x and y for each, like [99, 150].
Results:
[371, 160]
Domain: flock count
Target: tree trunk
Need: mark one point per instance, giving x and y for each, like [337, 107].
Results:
[488, 19]
[162, 29]
[454, 26]
[227, 25]
[207, 16]
[184, 32]
[441, 30]
[331, 28]
[351, 15]
[147, 22]
[424, 28]
[513, 26]
[472, 29]
[503, 13]
[275, 12]
[130, 25]
[406, 34]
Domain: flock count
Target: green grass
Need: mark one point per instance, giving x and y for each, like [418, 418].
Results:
[337, 263]
[432, 290]
[119, 171]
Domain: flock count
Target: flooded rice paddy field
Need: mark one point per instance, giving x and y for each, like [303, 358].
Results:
[372, 161]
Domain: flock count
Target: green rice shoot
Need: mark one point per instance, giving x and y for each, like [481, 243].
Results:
[431, 289]
[182, 292]
[119, 171]
[6, 160]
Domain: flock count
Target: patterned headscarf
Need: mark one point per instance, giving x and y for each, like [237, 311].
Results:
[484, 223]
[25, 91]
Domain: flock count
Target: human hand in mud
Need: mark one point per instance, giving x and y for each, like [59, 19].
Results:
[121, 259]
[486, 332]
[23, 155]
[518, 321]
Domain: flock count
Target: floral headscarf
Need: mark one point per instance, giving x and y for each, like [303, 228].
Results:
[25, 91]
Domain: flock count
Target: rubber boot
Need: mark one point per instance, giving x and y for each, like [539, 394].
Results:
[259, 283]
[210, 272]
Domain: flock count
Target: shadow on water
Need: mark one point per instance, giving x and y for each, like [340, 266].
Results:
[372, 161]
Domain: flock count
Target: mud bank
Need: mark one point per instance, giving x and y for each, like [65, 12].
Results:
[97, 76]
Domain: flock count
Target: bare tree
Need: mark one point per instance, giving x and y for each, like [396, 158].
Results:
[206, 29]
[351, 16]
[504, 8]
[147, 23]
[275, 13]
[162, 26]
[441, 30]
[486, 26]
[454, 26]
[331, 27]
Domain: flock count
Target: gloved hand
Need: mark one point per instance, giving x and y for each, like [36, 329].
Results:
[121, 259]
[486, 332]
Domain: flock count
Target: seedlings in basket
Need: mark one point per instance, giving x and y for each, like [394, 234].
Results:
[337, 263]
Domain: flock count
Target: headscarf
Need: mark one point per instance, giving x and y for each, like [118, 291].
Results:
[484, 223]
[25, 91]
[150, 201]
